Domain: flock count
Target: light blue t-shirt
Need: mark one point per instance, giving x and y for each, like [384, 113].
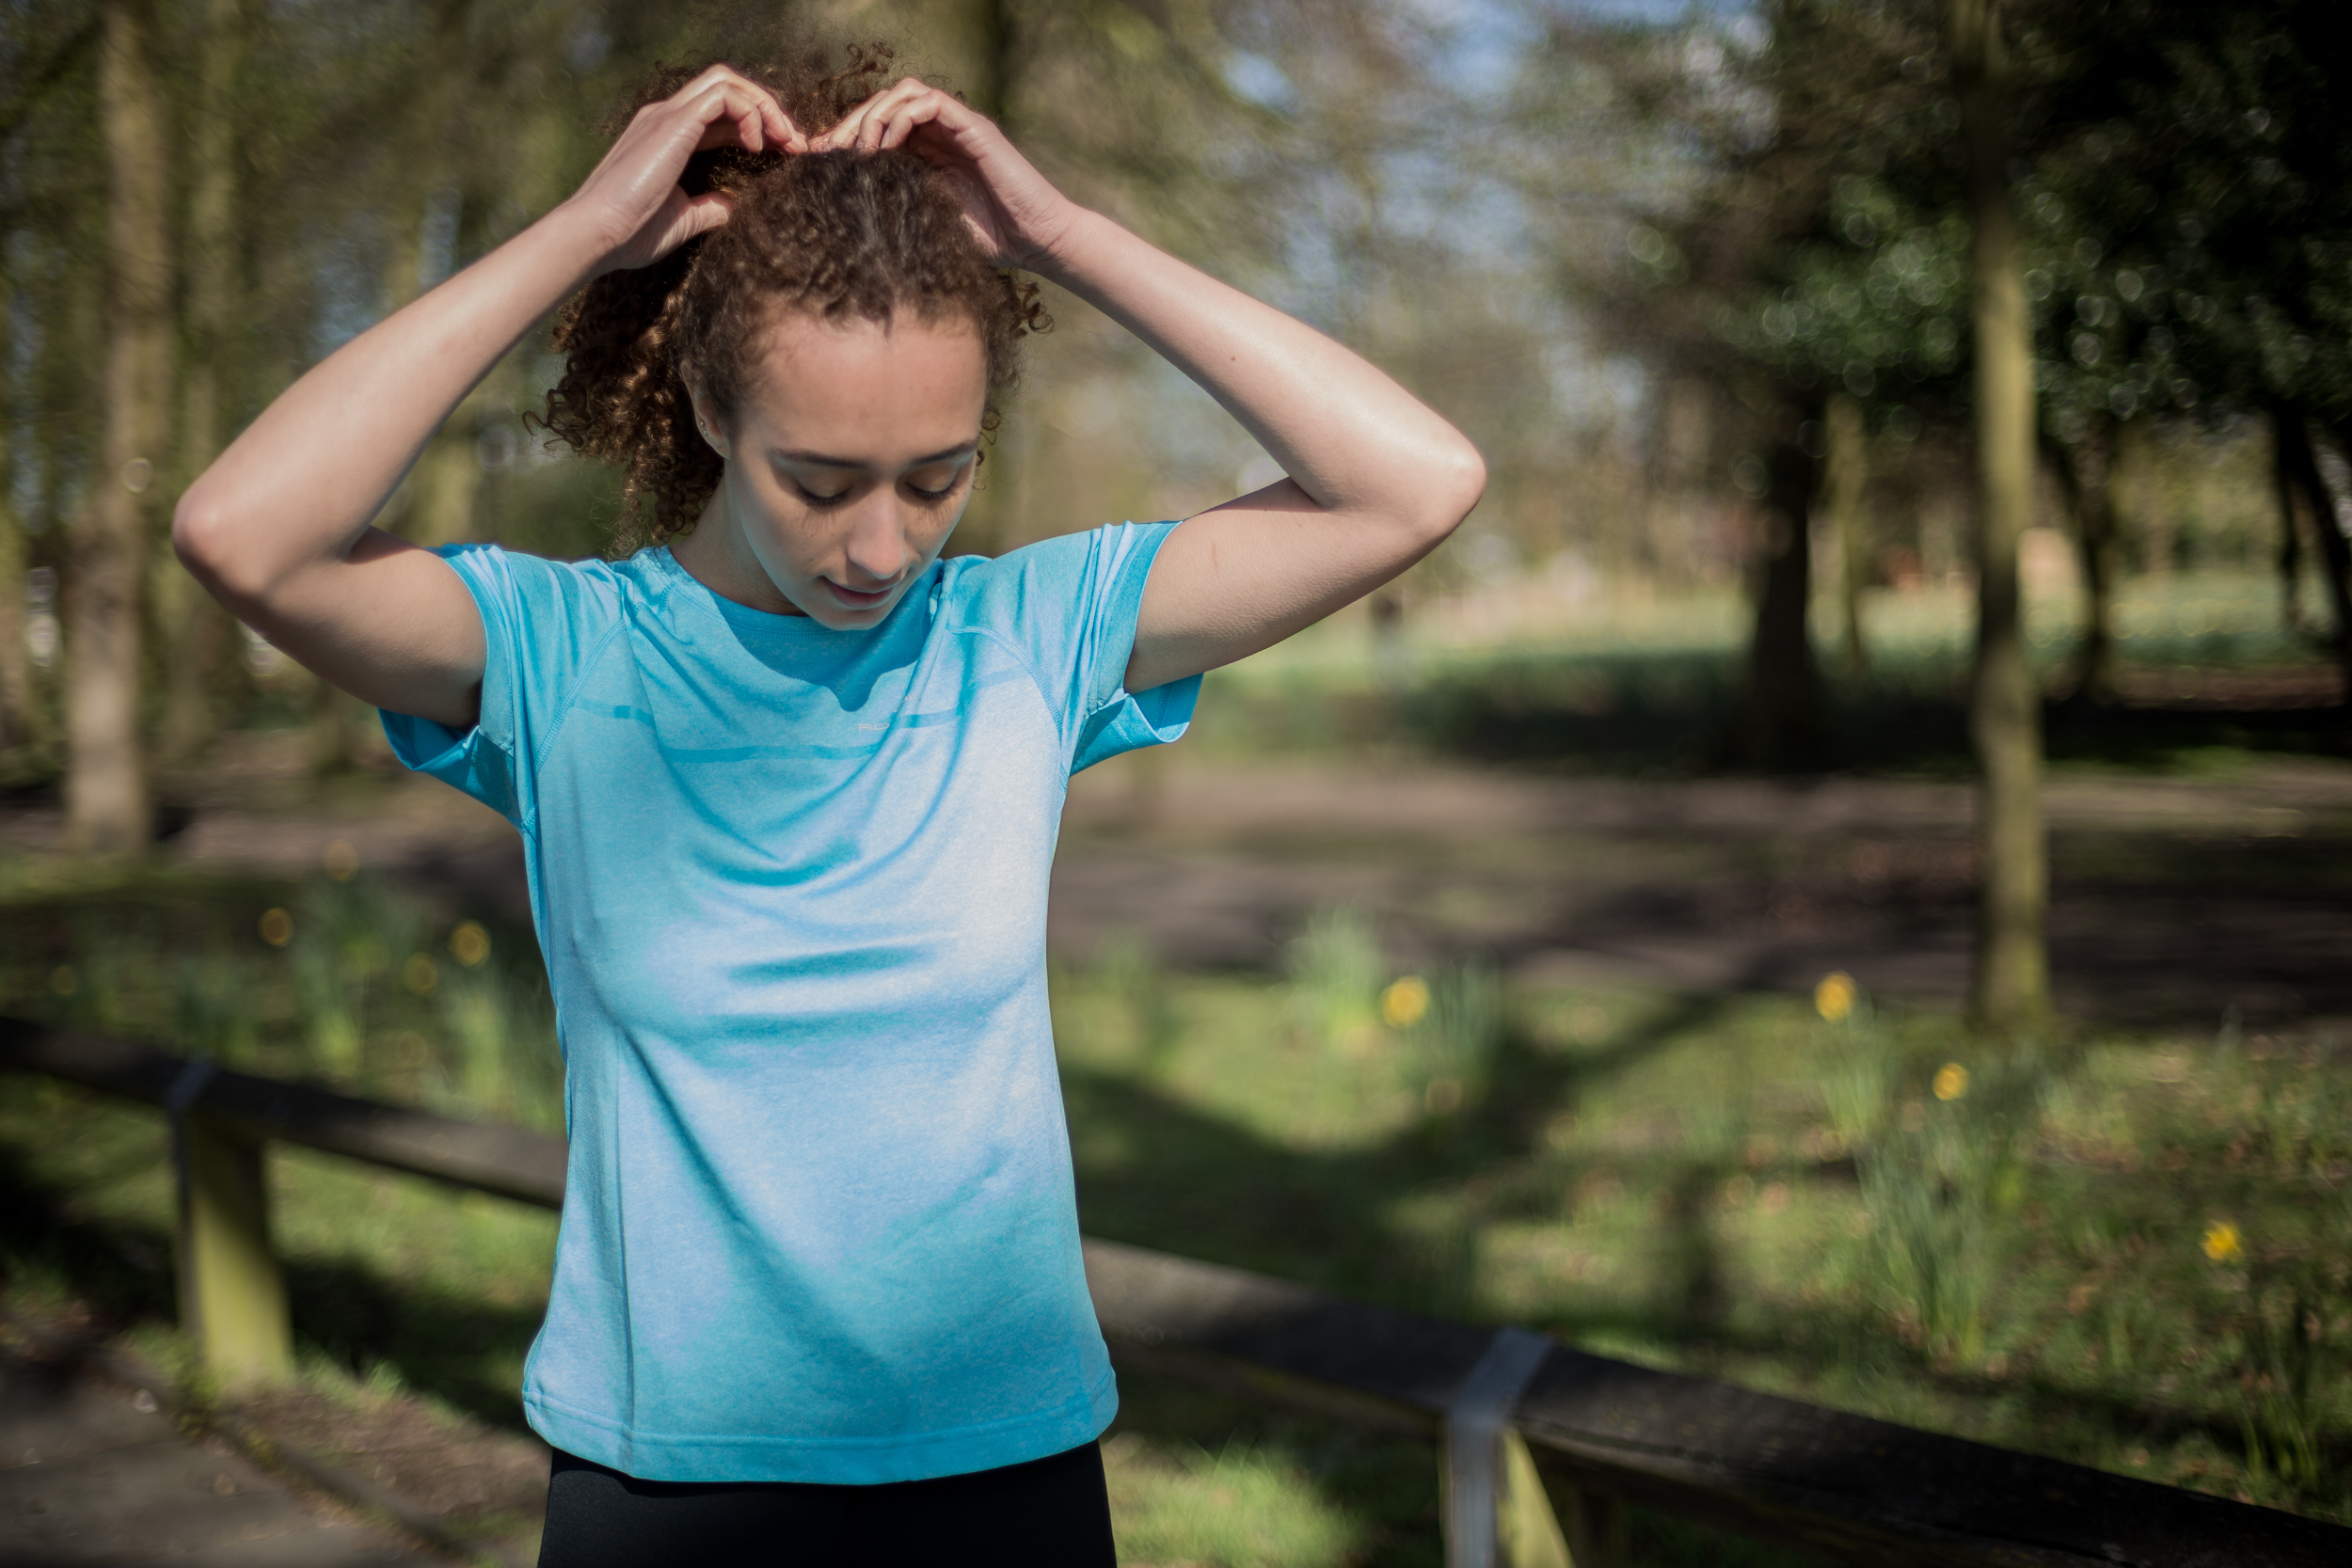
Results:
[790, 884]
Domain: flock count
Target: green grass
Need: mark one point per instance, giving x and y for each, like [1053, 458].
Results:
[1722, 1184]
[1667, 1179]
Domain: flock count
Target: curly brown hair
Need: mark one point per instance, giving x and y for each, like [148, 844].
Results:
[838, 234]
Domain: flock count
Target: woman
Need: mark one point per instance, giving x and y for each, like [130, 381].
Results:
[788, 783]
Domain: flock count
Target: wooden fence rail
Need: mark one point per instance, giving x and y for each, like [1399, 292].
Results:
[1602, 1432]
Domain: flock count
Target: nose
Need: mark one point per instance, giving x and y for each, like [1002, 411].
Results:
[878, 549]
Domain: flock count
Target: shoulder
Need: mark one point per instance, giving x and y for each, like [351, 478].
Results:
[1069, 571]
[534, 587]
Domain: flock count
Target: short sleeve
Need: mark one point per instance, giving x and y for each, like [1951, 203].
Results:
[542, 622]
[1068, 605]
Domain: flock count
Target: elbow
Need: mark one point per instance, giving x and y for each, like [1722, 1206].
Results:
[203, 536]
[1454, 487]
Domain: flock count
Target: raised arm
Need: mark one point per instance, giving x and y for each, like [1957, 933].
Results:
[278, 527]
[1376, 480]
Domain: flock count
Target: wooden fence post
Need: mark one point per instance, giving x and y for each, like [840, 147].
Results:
[1527, 1534]
[1596, 1531]
[1495, 1510]
[232, 1294]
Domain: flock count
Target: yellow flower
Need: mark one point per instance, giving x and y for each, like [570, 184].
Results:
[1834, 998]
[421, 973]
[469, 943]
[2221, 1242]
[1405, 1003]
[1952, 1081]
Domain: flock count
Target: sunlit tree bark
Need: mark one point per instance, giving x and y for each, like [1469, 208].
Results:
[2011, 987]
[107, 807]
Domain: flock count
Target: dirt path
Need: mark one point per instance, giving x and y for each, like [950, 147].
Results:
[88, 1477]
[2176, 899]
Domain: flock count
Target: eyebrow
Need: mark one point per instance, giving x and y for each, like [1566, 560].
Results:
[819, 460]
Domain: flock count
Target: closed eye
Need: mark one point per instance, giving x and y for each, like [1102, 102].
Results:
[951, 479]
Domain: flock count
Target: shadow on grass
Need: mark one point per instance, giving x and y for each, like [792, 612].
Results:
[1668, 711]
[1342, 1219]
[447, 1346]
[1354, 1220]
[1187, 1181]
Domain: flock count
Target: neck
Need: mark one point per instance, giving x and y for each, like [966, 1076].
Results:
[715, 554]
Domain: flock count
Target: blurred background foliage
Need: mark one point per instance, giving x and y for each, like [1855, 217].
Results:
[1698, 280]
[1634, 251]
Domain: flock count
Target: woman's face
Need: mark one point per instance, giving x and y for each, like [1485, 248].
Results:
[849, 461]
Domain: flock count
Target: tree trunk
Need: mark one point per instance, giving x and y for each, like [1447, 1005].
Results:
[2011, 988]
[2299, 469]
[106, 796]
[20, 703]
[191, 623]
[1842, 484]
[2085, 470]
[1779, 726]
[20, 700]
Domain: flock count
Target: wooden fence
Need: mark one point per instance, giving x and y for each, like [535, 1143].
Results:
[1600, 1433]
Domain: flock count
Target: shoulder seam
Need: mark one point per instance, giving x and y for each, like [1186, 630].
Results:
[1064, 734]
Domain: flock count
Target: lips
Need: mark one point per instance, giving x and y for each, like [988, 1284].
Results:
[851, 598]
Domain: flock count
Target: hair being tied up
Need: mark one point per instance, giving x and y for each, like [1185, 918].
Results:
[838, 234]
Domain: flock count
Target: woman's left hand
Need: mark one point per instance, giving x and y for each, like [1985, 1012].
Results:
[1014, 212]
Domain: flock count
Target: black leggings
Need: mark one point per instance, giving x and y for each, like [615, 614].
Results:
[1048, 1513]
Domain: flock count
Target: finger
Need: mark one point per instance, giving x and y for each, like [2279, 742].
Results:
[843, 132]
[703, 214]
[913, 103]
[853, 129]
[779, 128]
[732, 116]
[759, 121]
[899, 122]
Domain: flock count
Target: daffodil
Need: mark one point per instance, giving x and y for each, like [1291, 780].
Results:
[2222, 1243]
[1404, 1003]
[1952, 1081]
[1834, 998]
[469, 943]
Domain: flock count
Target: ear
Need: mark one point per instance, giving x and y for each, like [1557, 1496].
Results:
[707, 420]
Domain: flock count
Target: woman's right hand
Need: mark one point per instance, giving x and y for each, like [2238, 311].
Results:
[634, 200]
